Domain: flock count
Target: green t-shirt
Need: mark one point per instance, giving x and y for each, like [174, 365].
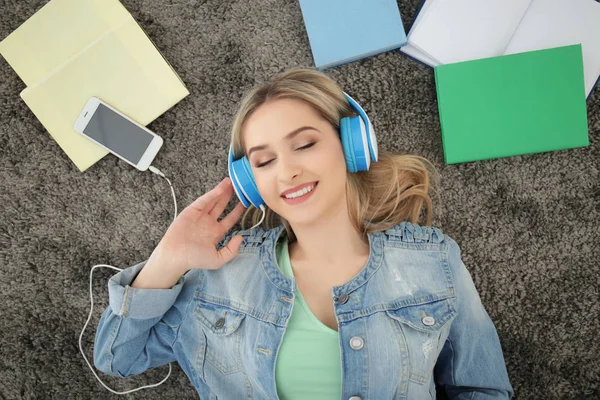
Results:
[308, 364]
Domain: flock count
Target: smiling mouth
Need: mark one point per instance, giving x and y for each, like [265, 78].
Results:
[314, 185]
[300, 199]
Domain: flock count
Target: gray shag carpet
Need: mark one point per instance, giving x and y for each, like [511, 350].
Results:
[528, 226]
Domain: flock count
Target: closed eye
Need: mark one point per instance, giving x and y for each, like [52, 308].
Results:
[299, 148]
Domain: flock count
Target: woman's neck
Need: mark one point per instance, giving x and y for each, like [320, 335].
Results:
[329, 244]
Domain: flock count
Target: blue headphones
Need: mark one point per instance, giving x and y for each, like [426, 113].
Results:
[358, 140]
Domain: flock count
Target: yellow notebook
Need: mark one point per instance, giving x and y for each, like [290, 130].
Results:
[71, 50]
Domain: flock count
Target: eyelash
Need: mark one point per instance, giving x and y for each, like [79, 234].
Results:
[300, 148]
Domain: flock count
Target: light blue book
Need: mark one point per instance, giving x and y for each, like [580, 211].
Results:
[341, 31]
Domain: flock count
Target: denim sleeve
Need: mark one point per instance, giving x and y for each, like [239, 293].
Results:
[471, 364]
[133, 335]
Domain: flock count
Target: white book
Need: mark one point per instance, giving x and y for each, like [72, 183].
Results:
[418, 55]
[448, 31]
[413, 51]
[459, 30]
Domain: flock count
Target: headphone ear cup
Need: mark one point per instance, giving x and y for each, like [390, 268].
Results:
[249, 184]
[243, 182]
[232, 167]
[356, 148]
[346, 137]
[369, 138]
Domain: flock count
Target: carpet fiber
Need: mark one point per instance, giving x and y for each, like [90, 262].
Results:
[528, 226]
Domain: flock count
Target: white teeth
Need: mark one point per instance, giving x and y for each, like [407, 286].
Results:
[300, 192]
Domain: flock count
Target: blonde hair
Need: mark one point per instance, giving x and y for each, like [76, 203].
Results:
[393, 190]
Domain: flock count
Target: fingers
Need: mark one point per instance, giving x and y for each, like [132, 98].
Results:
[230, 251]
[224, 198]
[208, 200]
[231, 218]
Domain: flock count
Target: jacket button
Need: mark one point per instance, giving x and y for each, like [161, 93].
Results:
[220, 322]
[355, 398]
[356, 343]
[428, 320]
[343, 299]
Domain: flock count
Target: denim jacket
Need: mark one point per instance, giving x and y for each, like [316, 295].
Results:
[410, 318]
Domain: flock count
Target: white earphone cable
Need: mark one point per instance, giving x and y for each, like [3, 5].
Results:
[158, 172]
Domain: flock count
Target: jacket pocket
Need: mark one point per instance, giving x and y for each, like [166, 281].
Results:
[222, 336]
[421, 331]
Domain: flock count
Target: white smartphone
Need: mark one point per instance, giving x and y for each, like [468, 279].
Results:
[117, 133]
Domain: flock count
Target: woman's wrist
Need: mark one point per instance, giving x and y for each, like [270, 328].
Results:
[158, 273]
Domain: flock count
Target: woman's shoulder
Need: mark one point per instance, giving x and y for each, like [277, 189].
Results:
[408, 232]
[426, 238]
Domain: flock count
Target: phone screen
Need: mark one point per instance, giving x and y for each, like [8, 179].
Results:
[118, 134]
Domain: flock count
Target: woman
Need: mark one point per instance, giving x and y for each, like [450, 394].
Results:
[340, 294]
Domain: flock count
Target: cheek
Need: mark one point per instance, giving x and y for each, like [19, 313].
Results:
[329, 156]
[266, 185]
[337, 163]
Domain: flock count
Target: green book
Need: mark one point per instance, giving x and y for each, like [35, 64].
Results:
[512, 105]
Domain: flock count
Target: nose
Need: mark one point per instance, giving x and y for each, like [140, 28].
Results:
[289, 168]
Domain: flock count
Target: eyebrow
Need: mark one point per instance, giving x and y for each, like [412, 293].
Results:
[289, 136]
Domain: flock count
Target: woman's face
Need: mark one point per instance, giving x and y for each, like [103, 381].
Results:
[296, 146]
